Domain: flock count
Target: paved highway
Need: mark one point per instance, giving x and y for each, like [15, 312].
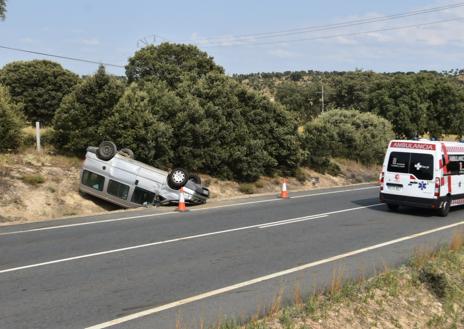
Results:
[152, 268]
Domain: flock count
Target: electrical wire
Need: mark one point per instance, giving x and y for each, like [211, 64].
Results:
[330, 36]
[61, 57]
[319, 28]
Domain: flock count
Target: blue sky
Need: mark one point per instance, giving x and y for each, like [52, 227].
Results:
[109, 31]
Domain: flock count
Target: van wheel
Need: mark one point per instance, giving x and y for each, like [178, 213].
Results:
[177, 178]
[127, 153]
[443, 211]
[392, 207]
[195, 178]
[106, 150]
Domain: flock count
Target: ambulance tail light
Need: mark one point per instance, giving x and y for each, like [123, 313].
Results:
[437, 187]
[381, 180]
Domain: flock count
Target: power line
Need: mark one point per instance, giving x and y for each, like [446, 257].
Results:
[318, 28]
[337, 35]
[61, 57]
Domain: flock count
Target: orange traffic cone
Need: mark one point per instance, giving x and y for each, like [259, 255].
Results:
[284, 192]
[181, 207]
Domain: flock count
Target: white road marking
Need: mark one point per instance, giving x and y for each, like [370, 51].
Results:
[223, 290]
[55, 227]
[47, 228]
[112, 251]
[332, 192]
[291, 221]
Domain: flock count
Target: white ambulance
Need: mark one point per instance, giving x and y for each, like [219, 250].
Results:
[423, 173]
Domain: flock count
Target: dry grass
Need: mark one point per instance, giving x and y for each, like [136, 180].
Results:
[336, 282]
[457, 241]
[277, 303]
[297, 297]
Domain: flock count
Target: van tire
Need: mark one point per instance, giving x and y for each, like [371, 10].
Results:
[177, 178]
[443, 211]
[127, 153]
[195, 178]
[392, 207]
[106, 150]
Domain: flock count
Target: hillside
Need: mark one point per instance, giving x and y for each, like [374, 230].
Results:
[44, 186]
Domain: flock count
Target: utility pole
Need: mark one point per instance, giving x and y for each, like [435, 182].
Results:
[322, 96]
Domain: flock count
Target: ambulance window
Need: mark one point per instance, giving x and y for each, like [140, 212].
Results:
[421, 166]
[398, 162]
[456, 165]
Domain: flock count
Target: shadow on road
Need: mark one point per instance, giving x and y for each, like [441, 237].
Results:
[404, 210]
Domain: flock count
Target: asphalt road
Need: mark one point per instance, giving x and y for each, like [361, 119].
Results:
[152, 268]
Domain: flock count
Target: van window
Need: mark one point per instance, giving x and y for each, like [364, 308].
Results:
[142, 196]
[455, 165]
[93, 180]
[118, 189]
[417, 164]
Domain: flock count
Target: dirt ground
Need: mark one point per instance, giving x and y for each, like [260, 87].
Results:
[43, 186]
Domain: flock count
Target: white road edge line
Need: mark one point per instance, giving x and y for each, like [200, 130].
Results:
[174, 212]
[265, 278]
[101, 253]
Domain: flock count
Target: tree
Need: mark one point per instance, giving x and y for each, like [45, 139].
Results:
[78, 121]
[11, 122]
[303, 100]
[134, 124]
[212, 124]
[168, 62]
[2, 9]
[39, 85]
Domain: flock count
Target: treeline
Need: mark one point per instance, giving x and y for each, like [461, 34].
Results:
[176, 107]
[420, 103]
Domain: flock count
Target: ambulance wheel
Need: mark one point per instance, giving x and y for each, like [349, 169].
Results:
[392, 207]
[443, 211]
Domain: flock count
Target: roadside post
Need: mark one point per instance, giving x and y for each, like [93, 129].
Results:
[37, 136]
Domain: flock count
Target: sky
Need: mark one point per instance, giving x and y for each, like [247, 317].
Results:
[110, 31]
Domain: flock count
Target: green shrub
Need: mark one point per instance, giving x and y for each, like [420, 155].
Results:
[346, 133]
[11, 122]
[259, 184]
[247, 188]
[33, 179]
[300, 175]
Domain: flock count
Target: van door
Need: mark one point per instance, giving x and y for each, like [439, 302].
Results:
[410, 174]
[455, 171]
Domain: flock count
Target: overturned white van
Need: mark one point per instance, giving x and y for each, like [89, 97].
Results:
[423, 173]
[116, 177]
